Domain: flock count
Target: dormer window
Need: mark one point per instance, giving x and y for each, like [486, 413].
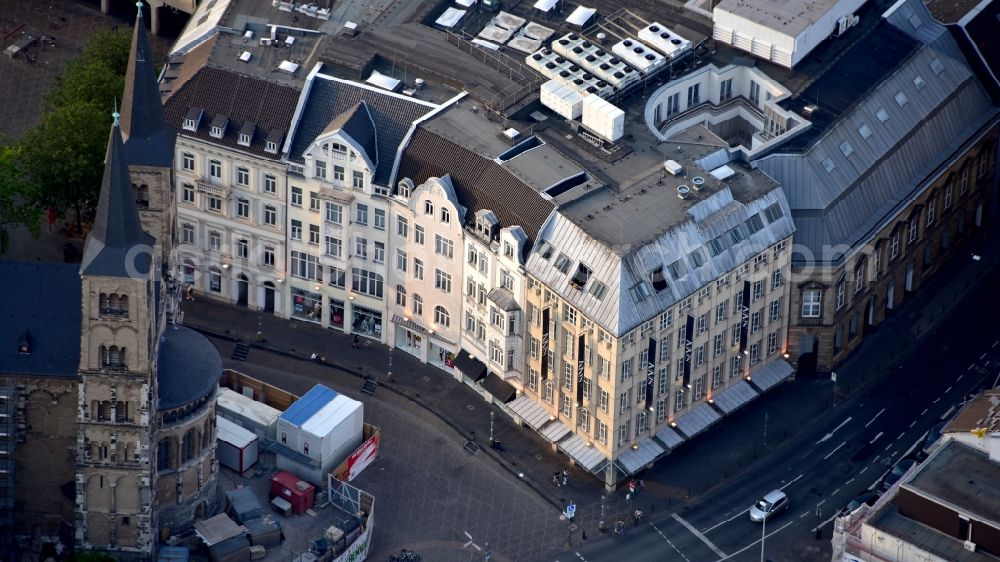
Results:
[508, 249]
[271, 147]
[581, 277]
[562, 263]
[218, 129]
[274, 138]
[24, 345]
[545, 250]
[244, 140]
[192, 118]
[657, 279]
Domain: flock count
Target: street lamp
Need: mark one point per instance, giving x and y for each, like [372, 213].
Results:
[763, 526]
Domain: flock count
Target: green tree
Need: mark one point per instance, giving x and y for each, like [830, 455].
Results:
[14, 207]
[60, 161]
[97, 75]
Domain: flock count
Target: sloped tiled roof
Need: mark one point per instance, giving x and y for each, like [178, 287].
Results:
[117, 230]
[480, 182]
[239, 97]
[357, 123]
[393, 116]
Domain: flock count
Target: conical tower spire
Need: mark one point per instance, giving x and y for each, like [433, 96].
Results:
[148, 138]
[117, 245]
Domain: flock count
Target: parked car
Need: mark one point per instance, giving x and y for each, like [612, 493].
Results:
[897, 472]
[867, 498]
[767, 506]
[932, 437]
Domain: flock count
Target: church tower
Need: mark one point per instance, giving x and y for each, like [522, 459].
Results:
[117, 388]
[149, 142]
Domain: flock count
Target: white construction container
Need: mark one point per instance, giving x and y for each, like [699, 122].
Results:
[602, 118]
[238, 447]
[563, 100]
[257, 417]
[664, 40]
[324, 426]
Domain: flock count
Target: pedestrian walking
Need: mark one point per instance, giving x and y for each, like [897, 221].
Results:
[565, 477]
[555, 479]
[638, 517]
[356, 342]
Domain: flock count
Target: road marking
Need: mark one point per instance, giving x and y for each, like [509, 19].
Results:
[887, 447]
[913, 423]
[994, 344]
[924, 413]
[580, 556]
[959, 377]
[668, 542]
[835, 492]
[936, 400]
[945, 415]
[830, 454]
[803, 515]
[900, 436]
[862, 471]
[947, 390]
[848, 483]
[751, 545]
[821, 502]
[823, 524]
[971, 367]
[829, 435]
[874, 439]
[876, 416]
[695, 532]
[983, 356]
[792, 481]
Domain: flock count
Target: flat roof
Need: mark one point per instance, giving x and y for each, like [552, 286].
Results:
[961, 476]
[889, 520]
[983, 411]
[950, 11]
[785, 16]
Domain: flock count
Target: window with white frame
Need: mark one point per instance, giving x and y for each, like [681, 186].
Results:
[428, 207]
[187, 234]
[757, 290]
[625, 432]
[931, 208]
[214, 204]
[242, 248]
[774, 310]
[547, 391]
[624, 401]
[215, 169]
[357, 179]
[772, 343]
[894, 245]
[270, 215]
[401, 261]
[812, 301]
[912, 230]
[948, 193]
[719, 344]
[379, 256]
[602, 432]
[314, 201]
[626, 369]
[716, 376]
[983, 164]
[418, 305]
[306, 266]
[418, 268]
[418, 234]
[532, 380]
[662, 380]
[699, 388]
[187, 162]
[402, 227]
[754, 353]
[641, 421]
[755, 322]
[334, 213]
[338, 277]
[735, 365]
[603, 399]
[776, 280]
[443, 246]
[361, 247]
[366, 282]
[242, 176]
[963, 182]
[401, 296]
[243, 208]
[188, 193]
[859, 276]
[583, 422]
[442, 281]
[680, 399]
[445, 216]
[841, 291]
[338, 175]
[379, 219]
[361, 214]
[441, 316]
[214, 241]
[270, 184]
[314, 234]
[296, 196]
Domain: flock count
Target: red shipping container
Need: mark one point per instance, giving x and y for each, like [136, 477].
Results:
[289, 487]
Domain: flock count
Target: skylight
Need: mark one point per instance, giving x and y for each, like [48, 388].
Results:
[882, 115]
[828, 165]
[846, 148]
[864, 131]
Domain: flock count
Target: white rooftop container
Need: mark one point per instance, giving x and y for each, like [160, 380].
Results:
[603, 118]
[639, 55]
[664, 40]
[247, 412]
[563, 100]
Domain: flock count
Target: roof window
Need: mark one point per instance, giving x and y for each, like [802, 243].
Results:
[864, 131]
[828, 165]
[901, 99]
[918, 82]
[562, 263]
[936, 66]
[846, 148]
[657, 279]
[581, 276]
[882, 115]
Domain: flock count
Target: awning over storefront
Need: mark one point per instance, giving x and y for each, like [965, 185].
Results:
[530, 411]
[635, 459]
[770, 374]
[470, 366]
[697, 420]
[408, 324]
[499, 388]
[732, 398]
[669, 437]
[587, 456]
[555, 431]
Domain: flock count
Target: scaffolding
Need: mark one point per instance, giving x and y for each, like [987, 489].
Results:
[8, 440]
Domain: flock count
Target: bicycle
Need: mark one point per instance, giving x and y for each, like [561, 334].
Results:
[405, 556]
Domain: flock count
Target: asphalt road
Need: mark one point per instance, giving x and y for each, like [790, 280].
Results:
[844, 452]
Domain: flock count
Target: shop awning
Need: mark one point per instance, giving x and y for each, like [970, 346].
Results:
[499, 388]
[669, 437]
[470, 366]
[697, 420]
[635, 459]
[770, 374]
[555, 431]
[217, 529]
[732, 398]
[408, 324]
[530, 411]
[587, 456]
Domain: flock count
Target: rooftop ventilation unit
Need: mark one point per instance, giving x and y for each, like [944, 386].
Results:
[673, 168]
[683, 191]
[697, 183]
[245, 56]
[810, 109]
[288, 66]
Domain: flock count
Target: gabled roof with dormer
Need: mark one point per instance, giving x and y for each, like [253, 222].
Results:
[149, 140]
[117, 245]
[358, 124]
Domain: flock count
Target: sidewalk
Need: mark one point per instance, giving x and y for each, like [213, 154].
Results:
[526, 455]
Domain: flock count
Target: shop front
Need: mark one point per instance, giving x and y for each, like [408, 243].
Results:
[409, 336]
[440, 354]
[336, 314]
[366, 322]
[307, 305]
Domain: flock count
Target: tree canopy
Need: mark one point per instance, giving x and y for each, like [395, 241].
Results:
[59, 164]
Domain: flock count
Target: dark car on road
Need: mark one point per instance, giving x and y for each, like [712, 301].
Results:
[867, 498]
[932, 437]
[897, 472]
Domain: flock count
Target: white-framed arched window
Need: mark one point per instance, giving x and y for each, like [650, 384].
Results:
[441, 316]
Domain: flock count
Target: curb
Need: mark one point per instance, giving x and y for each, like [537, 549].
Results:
[465, 434]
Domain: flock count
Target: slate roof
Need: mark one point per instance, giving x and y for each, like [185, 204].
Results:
[480, 182]
[188, 367]
[149, 141]
[44, 299]
[239, 97]
[846, 82]
[357, 122]
[117, 230]
[329, 98]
